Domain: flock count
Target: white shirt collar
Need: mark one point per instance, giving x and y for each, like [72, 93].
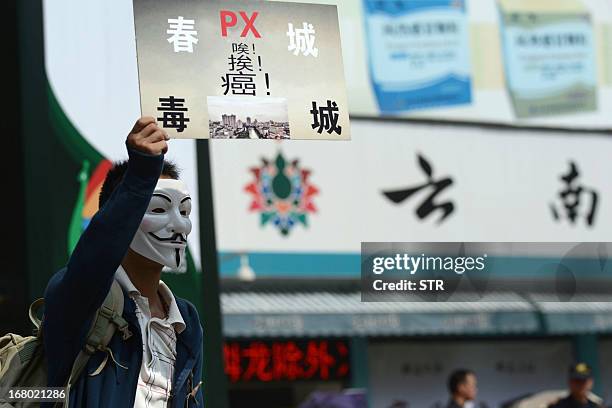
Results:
[174, 314]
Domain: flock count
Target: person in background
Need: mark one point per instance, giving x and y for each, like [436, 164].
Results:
[580, 386]
[463, 388]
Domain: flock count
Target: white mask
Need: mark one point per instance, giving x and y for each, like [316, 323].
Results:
[162, 235]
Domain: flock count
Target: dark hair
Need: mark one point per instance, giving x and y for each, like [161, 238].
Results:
[116, 173]
[457, 378]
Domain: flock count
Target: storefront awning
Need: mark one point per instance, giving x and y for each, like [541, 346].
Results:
[584, 314]
[312, 314]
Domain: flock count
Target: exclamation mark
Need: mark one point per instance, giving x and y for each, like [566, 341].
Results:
[259, 60]
[253, 48]
[267, 83]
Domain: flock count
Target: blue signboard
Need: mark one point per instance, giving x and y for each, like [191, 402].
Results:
[418, 53]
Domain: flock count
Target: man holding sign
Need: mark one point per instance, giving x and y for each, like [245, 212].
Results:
[153, 355]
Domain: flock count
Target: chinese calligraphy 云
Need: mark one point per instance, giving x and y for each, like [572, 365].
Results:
[301, 40]
[571, 196]
[325, 117]
[184, 35]
[173, 113]
[429, 205]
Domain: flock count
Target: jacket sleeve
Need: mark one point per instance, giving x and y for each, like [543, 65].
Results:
[76, 292]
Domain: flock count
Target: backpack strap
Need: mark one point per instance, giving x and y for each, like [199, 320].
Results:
[107, 319]
[33, 313]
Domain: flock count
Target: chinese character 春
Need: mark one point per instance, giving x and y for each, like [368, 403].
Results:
[183, 34]
[571, 195]
[301, 40]
[428, 206]
[173, 115]
[325, 117]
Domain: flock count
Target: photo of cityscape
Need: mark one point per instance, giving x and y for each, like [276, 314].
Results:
[248, 118]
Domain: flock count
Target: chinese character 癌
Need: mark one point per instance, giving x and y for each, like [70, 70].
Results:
[240, 84]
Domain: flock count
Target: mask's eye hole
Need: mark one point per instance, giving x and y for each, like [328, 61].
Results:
[183, 213]
[158, 210]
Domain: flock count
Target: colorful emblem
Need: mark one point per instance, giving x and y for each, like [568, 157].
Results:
[87, 201]
[282, 193]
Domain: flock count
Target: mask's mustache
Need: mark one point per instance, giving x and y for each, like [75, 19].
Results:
[176, 238]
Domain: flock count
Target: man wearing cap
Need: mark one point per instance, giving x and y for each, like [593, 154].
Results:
[580, 385]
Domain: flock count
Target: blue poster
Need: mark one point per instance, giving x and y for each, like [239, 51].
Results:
[419, 53]
[549, 58]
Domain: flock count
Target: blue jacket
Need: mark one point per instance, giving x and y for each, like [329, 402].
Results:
[75, 293]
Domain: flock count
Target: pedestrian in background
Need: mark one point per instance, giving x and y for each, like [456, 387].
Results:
[462, 386]
[580, 386]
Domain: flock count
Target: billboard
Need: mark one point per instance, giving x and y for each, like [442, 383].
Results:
[426, 183]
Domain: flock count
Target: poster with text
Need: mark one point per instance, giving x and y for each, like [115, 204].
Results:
[549, 57]
[242, 69]
[419, 53]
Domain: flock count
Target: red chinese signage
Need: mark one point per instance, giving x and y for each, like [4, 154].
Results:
[286, 360]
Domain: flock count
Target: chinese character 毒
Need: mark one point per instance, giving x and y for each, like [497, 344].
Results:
[173, 115]
[570, 197]
[325, 117]
[428, 206]
[301, 40]
[183, 34]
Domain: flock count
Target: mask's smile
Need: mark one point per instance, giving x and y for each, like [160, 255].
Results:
[175, 239]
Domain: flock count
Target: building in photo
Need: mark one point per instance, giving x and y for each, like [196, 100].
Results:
[248, 118]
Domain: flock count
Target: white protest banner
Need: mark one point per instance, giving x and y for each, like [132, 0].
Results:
[242, 69]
